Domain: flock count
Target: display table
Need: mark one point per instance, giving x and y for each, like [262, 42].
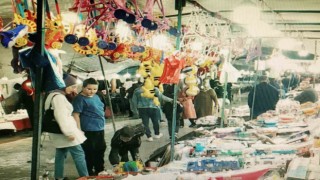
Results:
[15, 122]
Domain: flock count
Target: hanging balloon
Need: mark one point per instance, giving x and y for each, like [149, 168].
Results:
[134, 48]
[173, 31]
[83, 41]
[71, 39]
[120, 13]
[153, 26]
[111, 46]
[102, 44]
[141, 49]
[130, 18]
[146, 23]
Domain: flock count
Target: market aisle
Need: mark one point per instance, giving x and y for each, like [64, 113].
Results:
[15, 155]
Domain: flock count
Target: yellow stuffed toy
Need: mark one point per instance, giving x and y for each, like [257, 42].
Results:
[191, 82]
[145, 68]
[156, 73]
[151, 72]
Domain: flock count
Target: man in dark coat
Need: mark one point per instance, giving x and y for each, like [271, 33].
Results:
[126, 139]
[308, 94]
[262, 98]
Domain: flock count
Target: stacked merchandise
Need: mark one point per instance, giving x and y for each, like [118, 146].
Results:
[249, 151]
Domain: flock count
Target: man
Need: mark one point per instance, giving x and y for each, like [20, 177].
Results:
[262, 98]
[147, 109]
[308, 94]
[126, 139]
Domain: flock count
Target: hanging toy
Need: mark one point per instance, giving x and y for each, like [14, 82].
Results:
[155, 75]
[191, 81]
[151, 72]
[149, 91]
[121, 52]
[10, 38]
[145, 68]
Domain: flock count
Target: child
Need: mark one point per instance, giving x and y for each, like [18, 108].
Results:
[89, 113]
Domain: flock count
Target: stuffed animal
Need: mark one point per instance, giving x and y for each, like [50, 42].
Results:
[155, 74]
[191, 82]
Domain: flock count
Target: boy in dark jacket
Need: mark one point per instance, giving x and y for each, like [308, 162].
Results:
[126, 139]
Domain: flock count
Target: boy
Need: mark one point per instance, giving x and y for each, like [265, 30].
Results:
[89, 114]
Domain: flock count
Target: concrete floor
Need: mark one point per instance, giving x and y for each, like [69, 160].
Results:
[15, 151]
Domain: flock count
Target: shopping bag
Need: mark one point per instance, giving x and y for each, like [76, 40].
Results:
[107, 112]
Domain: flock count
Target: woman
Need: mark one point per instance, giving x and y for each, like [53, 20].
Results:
[189, 111]
[72, 137]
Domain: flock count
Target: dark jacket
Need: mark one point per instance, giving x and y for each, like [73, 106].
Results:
[121, 148]
[307, 95]
[266, 98]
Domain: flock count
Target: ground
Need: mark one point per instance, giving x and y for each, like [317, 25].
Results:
[16, 149]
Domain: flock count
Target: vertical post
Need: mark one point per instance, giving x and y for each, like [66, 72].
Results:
[108, 94]
[39, 48]
[179, 3]
[255, 85]
[315, 60]
[225, 90]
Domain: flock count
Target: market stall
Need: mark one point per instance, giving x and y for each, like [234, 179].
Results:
[230, 143]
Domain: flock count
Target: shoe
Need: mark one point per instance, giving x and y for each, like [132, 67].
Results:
[150, 139]
[192, 125]
[162, 121]
[50, 161]
[158, 136]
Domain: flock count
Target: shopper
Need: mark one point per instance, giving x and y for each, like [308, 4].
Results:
[148, 110]
[167, 109]
[262, 97]
[206, 102]
[308, 94]
[189, 111]
[88, 110]
[133, 114]
[126, 139]
[72, 136]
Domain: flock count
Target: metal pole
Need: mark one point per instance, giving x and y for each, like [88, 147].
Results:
[39, 48]
[175, 86]
[225, 90]
[108, 94]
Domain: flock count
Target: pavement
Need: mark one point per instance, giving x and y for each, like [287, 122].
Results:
[16, 151]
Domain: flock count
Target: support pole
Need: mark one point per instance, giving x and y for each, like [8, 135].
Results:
[39, 48]
[225, 89]
[108, 94]
[174, 120]
[255, 84]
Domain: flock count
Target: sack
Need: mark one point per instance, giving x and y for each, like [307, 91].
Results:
[107, 112]
[49, 124]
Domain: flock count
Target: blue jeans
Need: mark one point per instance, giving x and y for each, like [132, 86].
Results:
[77, 156]
[154, 115]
